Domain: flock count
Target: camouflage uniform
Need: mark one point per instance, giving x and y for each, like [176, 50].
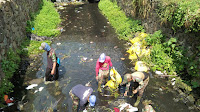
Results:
[75, 101]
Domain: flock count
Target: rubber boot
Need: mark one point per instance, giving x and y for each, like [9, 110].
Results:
[138, 101]
[99, 87]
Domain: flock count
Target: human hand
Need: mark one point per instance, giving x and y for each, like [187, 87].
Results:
[125, 94]
[52, 72]
[97, 78]
[134, 91]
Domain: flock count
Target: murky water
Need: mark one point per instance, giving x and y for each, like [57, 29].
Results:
[86, 35]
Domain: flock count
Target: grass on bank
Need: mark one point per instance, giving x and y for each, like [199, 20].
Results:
[45, 21]
[124, 27]
[166, 54]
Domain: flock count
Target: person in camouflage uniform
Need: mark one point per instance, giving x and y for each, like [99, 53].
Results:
[75, 101]
[82, 95]
[52, 65]
[142, 78]
[147, 106]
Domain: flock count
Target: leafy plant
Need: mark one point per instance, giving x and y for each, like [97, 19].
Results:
[9, 66]
[181, 13]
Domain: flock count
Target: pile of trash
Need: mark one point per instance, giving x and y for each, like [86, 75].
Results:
[138, 48]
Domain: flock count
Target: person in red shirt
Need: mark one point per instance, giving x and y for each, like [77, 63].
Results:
[102, 69]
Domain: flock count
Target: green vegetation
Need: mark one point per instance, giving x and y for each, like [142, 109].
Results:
[181, 13]
[159, 59]
[32, 47]
[9, 65]
[124, 27]
[167, 55]
[45, 21]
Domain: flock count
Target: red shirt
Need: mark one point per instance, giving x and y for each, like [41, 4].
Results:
[104, 65]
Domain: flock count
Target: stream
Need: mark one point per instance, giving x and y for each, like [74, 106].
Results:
[87, 34]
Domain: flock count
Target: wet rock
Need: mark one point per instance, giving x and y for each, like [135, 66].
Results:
[175, 99]
[191, 98]
[36, 81]
[37, 38]
[198, 102]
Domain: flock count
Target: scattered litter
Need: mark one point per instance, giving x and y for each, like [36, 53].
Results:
[84, 58]
[160, 89]
[130, 107]
[59, 43]
[36, 91]
[122, 58]
[158, 72]
[115, 47]
[173, 81]
[64, 56]
[41, 88]
[61, 7]
[85, 110]
[91, 42]
[31, 86]
[60, 70]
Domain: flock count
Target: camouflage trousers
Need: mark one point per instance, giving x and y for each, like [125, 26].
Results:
[103, 75]
[141, 91]
[75, 101]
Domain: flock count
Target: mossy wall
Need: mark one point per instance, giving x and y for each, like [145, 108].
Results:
[13, 17]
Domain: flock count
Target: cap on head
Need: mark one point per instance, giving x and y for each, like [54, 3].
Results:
[45, 46]
[92, 100]
[102, 58]
[126, 78]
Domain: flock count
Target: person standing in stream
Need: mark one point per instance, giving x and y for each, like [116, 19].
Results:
[102, 69]
[52, 65]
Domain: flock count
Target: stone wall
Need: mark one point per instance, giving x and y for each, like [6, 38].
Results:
[13, 17]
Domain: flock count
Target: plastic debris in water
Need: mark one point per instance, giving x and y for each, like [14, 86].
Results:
[31, 86]
[130, 107]
[41, 88]
[122, 58]
[158, 72]
[59, 43]
[85, 110]
[85, 58]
